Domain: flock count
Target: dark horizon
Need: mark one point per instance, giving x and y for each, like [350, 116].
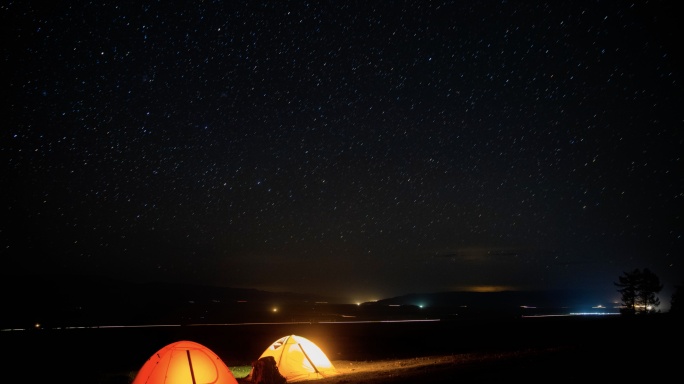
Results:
[67, 301]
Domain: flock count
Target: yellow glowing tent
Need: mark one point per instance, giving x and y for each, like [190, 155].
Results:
[299, 359]
[184, 362]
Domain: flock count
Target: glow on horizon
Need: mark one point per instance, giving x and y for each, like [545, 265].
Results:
[575, 314]
[488, 288]
[359, 302]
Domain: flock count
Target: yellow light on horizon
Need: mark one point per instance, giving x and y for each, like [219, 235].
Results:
[488, 288]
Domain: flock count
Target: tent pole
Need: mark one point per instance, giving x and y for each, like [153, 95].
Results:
[307, 357]
[192, 372]
[282, 350]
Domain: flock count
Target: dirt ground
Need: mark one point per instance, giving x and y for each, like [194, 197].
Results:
[391, 370]
[429, 369]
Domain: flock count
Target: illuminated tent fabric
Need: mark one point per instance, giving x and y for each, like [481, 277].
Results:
[299, 359]
[184, 362]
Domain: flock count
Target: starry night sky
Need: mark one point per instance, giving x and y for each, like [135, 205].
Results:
[364, 149]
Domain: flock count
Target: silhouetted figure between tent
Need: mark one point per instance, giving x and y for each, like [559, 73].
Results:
[265, 371]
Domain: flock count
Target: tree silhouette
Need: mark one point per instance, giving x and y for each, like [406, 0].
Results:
[638, 289]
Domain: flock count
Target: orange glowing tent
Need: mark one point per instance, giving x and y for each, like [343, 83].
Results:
[184, 362]
[299, 359]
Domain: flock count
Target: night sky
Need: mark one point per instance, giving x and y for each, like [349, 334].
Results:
[362, 149]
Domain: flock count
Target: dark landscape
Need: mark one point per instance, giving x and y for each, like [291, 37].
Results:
[57, 301]
[473, 346]
[560, 349]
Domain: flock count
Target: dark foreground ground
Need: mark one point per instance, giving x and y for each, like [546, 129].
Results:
[536, 350]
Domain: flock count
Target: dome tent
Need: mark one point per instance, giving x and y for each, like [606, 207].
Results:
[184, 362]
[298, 359]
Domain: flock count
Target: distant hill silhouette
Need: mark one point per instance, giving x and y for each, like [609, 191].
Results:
[75, 299]
[72, 300]
[500, 299]
[79, 288]
[508, 303]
